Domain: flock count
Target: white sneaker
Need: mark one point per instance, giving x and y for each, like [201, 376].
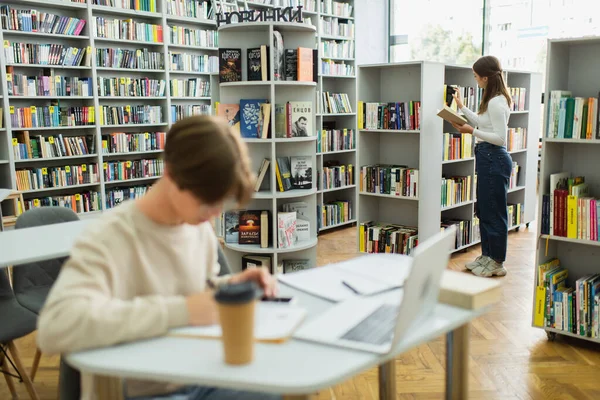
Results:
[475, 263]
[490, 268]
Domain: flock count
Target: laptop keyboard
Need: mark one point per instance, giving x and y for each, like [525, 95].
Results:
[377, 328]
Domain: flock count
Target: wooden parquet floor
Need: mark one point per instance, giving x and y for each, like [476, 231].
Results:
[509, 359]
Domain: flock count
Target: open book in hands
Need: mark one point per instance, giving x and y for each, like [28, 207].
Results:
[451, 116]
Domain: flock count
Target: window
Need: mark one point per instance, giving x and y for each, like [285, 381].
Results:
[436, 30]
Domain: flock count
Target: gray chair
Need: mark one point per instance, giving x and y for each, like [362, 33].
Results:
[17, 322]
[69, 382]
[32, 282]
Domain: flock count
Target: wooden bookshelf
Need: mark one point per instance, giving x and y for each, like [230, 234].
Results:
[569, 67]
[423, 149]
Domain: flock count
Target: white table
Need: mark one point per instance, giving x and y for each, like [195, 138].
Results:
[294, 368]
[20, 246]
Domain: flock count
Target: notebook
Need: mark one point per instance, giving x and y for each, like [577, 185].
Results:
[327, 282]
[274, 323]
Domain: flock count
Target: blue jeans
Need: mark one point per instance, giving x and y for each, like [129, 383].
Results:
[493, 165]
[208, 393]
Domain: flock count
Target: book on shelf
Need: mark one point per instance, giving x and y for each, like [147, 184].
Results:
[231, 113]
[469, 95]
[334, 213]
[463, 231]
[450, 115]
[456, 190]
[332, 139]
[255, 115]
[290, 266]
[257, 261]
[305, 64]
[286, 229]
[457, 146]
[230, 64]
[302, 172]
[336, 175]
[254, 227]
[294, 119]
[283, 174]
[260, 176]
[395, 180]
[258, 63]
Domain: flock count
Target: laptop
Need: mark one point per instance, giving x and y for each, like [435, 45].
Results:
[375, 324]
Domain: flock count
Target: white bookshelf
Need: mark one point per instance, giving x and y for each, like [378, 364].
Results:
[570, 66]
[422, 149]
[252, 35]
[89, 38]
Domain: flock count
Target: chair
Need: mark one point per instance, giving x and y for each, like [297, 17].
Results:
[17, 322]
[69, 382]
[32, 282]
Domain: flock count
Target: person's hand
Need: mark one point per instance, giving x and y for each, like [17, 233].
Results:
[457, 99]
[202, 309]
[465, 128]
[261, 276]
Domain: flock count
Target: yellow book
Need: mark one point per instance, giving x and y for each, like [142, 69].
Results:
[572, 217]
[361, 235]
[361, 122]
[540, 309]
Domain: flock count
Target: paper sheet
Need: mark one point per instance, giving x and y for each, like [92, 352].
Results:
[273, 322]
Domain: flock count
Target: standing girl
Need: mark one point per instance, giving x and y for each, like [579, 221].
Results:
[493, 164]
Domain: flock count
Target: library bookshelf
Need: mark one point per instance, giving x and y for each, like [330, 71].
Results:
[252, 35]
[421, 147]
[175, 59]
[569, 67]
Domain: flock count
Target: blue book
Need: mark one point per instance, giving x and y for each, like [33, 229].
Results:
[249, 117]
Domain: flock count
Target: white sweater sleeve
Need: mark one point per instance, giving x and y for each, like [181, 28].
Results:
[472, 117]
[498, 112]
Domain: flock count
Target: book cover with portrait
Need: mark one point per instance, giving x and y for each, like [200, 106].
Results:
[301, 118]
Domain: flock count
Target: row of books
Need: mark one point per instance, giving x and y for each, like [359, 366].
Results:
[121, 142]
[283, 267]
[127, 29]
[333, 103]
[130, 114]
[400, 115]
[193, 36]
[393, 180]
[337, 8]
[27, 147]
[88, 201]
[377, 237]
[332, 49]
[569, 209]
[47, 85]
[60, 176]
[515, 214]
[469, 95]
[138, 5]
[46, 54]
[29, 20]
[181, 111]
[330, 67]
[463, 231]
[516, 139]
[513, 182]
[184, 62]
[335, 139]
[457, 146]
[572, 117]
[134, 87]
[291, 64]
[133, 169]
[201, 9]
[336, 175]
[335, 27]
[575, 308]
[51, 116]
[193, 87]
[456, 190]
[130, 59]
[116, 196]
[518, 96]
[295, 172]
[334, 213]
[252, 227]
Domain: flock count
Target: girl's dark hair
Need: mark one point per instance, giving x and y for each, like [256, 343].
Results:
[203, 155]
[489, 67]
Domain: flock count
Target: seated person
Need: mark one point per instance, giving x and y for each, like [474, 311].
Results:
[145, 266]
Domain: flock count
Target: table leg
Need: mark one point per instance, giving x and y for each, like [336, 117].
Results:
[108, 388]
[457, 363]
[387, 380]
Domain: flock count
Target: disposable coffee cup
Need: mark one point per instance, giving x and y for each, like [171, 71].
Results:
[236, 304]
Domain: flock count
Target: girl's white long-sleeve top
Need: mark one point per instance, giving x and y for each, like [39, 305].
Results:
[492, 125]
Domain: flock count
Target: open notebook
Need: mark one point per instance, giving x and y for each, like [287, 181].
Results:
[329, 282]
[273, 323]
